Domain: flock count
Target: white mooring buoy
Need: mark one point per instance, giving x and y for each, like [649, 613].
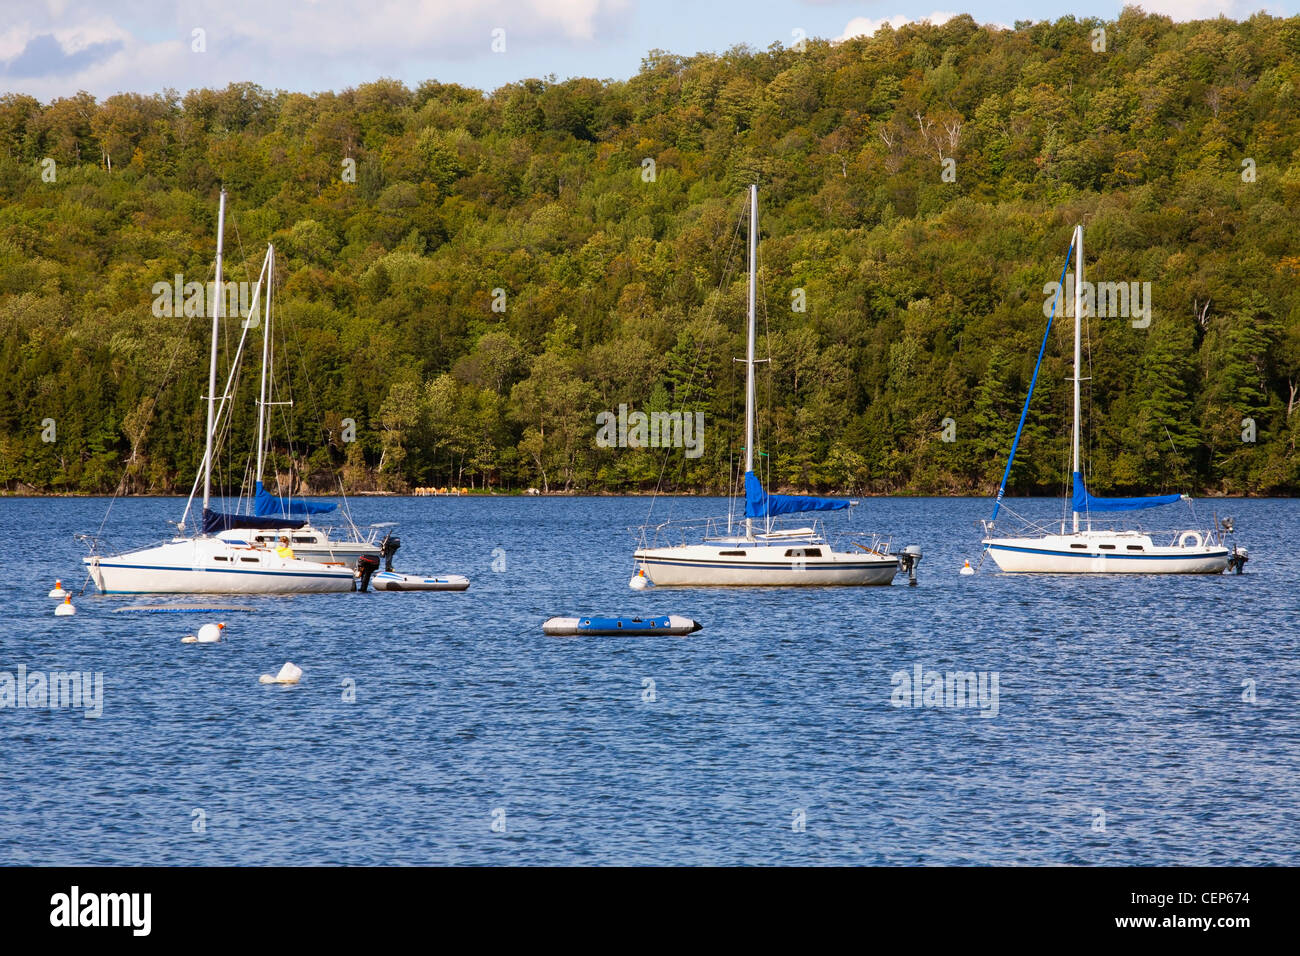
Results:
[58, 591]
[66, 608]
[967, 569]
[289, 674]
[208, 634]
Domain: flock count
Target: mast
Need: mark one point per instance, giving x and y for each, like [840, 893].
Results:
[212, 364]
[266, 343]
[1078, 324]
[749, 353]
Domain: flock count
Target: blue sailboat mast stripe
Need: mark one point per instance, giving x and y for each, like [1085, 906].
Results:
[1024, 412]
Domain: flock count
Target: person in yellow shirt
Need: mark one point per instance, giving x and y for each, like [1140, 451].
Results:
[284, 550]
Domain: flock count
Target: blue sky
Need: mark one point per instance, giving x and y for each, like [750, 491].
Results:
[52, 48]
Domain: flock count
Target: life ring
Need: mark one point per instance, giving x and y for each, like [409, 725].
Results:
[1182, 540]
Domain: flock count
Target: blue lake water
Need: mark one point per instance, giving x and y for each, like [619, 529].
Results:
[1118, 695]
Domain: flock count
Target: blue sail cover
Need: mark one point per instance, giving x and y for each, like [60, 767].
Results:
[214, 522]
[266, 505]
[759, 504]
[1083, 501]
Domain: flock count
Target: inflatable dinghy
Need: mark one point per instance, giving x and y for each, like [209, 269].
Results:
[393, 581]
[668, 624]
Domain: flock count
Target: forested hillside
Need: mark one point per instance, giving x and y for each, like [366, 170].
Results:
[502, 267]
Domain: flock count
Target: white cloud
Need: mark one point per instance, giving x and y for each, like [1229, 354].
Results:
[1178, 10]
[1182, 11]
[144, 45]
[78, 37]
[866, 26]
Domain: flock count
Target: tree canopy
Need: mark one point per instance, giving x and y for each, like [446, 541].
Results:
[466, 279]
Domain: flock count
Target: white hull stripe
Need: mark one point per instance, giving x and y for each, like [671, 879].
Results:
[1114, 555]
[766, 566]
[193, 570]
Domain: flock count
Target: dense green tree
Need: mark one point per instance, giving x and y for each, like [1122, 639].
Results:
[465, 279]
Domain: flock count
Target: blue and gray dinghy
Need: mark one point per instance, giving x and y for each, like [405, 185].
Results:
[393, 581]
[667, 624]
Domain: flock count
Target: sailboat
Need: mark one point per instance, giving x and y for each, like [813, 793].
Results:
[205, 563]
[269, 517]
[764, 553]
[1086, 549]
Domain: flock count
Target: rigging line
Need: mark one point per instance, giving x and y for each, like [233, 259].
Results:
[314, 404]
[733, 410]
[1170, 437]
[767, 382]
[282, 394]
[162, 385]
[228, 392]
[1006, 474]
[733, 432]
[1066, 486]
[245, 486]
[1091, 435]
[232, 380]
[224, 443]
[245, 482]
[696, 360]
[733, 482]
[699, 349]
[247, 492]
[1182, 474]
[233, 219]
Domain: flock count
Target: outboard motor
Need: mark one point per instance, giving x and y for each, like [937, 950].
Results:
[367, 564]
[908, 560]
[1238, 558]
[388, 547]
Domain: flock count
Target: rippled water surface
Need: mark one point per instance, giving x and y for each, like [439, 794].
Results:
[1120, 696]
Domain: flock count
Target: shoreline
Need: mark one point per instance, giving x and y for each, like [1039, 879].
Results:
[38, 495]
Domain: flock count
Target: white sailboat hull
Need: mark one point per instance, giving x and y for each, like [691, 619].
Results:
[771, 558]
[1100, 551]
[212, 566]
[1094, 553]
[749, 565]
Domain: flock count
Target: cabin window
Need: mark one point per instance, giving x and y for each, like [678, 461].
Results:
[262, 537]
[1135, 547]
[1106, 547]
[250, 560]
[1078, 546]
[297, 539]
[730, 554]
[220, 558]
[804, 553]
